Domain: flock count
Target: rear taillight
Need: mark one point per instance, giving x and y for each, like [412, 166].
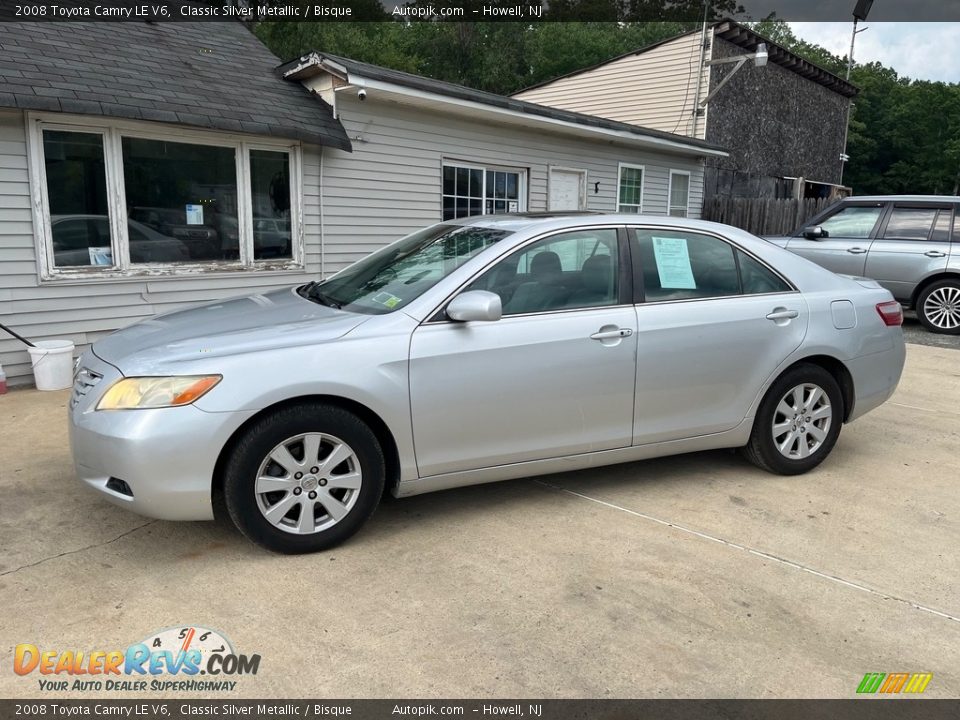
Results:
[891, 313]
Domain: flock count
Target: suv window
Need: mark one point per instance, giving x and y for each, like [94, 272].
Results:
[941, 228]
[908, 223]
[853, 221]
[571, 270]
[679, 265]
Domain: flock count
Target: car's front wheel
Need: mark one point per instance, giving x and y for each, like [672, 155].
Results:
[938, 307]
[798, 421]
[304, 478]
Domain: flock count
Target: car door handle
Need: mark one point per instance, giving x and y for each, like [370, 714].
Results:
[856, 250]
[783, 314]
[612, 334]
[935, 253]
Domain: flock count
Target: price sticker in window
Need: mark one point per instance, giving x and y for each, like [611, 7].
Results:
[673, 263]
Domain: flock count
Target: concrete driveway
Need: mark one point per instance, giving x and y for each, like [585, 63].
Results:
[692, 576]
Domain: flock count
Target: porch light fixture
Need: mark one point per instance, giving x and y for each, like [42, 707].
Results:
[760, 58]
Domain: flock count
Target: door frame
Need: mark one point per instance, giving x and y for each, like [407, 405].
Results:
[572, 170]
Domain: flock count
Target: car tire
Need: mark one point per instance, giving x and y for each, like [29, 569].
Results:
[938, 307]
[304, 478]
[786, 441]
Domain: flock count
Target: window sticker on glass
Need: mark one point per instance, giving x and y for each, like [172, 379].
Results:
[101, 255]
[673, 264]
[387, 300]
[194, 214]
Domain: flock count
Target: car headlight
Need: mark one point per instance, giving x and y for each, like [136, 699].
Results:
[157, 392]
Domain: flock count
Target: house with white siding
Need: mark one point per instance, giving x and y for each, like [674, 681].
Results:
[146, 167]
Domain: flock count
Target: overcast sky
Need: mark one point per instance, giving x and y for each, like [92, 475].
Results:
[919, 50]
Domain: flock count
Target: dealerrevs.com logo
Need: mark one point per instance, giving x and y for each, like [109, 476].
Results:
[173, 659]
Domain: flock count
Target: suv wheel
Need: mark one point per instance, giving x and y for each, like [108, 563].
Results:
[938, 307]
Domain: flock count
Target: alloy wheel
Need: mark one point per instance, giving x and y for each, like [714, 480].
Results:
[802, 421]
[308, 483]
[942, 307]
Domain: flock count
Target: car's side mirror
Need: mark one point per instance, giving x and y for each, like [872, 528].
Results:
[475, 305]
[815, 232]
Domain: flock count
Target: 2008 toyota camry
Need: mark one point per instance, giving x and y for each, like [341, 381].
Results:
[477, 350]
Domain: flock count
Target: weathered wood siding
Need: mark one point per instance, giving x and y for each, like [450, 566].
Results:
[390, 184]
[775, 122]
[654, 89]
[83, 311]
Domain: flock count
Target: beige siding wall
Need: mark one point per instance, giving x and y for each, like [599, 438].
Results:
[655, 89]
[85, 311]
[391, 184]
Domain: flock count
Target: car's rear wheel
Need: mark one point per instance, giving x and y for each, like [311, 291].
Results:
[798, 421]
[938, 307]
[304, 478]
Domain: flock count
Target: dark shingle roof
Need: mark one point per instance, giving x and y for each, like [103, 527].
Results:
[461, 92]
[208, 75]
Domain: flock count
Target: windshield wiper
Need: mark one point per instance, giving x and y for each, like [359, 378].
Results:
[312, 291]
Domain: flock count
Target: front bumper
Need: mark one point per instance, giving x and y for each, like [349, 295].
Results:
[166, 456]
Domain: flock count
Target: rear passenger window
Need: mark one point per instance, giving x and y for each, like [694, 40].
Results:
[941, 228]
[756, 279]
[910, 223]
[571, 270]
[684, 266]
[687, 266]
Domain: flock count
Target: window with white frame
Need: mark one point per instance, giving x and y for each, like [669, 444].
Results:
[630, 189]
[122, 198]
[481, 190]
[679, 193]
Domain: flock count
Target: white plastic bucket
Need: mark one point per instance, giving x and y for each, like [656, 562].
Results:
[52, 362]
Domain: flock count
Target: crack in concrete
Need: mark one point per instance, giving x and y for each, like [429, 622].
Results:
[759, 553]
[78, 550]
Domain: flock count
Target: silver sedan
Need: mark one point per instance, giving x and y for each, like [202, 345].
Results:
[478, 350]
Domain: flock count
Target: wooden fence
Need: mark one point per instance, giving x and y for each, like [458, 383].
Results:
[763, 216]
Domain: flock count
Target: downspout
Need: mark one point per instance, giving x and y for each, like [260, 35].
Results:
[323, 234]
[703, 59]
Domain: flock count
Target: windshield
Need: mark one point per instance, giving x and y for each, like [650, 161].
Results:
[392, 277]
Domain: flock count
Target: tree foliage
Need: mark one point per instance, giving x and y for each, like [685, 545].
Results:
[904, 134]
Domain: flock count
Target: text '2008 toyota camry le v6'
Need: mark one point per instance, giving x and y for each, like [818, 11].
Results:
[483, 349]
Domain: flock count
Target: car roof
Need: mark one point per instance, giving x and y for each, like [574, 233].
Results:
[515, 222]
[902, 198]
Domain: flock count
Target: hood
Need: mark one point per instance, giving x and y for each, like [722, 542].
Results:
[228, 327]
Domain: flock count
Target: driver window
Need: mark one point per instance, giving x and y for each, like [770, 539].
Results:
[852, 222]
[572, 270]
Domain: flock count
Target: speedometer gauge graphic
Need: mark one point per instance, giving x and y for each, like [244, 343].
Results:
[192, 637]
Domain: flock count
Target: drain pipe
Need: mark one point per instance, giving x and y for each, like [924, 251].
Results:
[704, 44]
